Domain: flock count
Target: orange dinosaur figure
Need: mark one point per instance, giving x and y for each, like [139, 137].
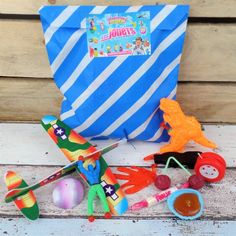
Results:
[183, 128]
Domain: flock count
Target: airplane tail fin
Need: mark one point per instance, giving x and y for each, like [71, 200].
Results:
[24, 200]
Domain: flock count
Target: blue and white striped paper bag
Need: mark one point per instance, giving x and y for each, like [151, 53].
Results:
[113, 64]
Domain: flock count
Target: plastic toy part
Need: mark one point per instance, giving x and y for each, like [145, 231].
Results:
[26, 203]
[137, 178]
[177, 162]
[211, 167]
[107, 215]
[187, 159]
[182, 128]
[163, 181]
[186, 204]
[68, 193]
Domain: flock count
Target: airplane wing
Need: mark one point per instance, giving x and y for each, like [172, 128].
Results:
[71, 144]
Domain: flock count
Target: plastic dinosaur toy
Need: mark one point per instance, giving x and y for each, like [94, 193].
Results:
[182, 128]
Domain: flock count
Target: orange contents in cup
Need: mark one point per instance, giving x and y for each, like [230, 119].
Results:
[187, 204]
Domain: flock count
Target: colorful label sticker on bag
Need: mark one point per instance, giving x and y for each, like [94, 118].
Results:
[119, 34]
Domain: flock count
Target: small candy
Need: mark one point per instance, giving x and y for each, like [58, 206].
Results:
[196, 182]
[187, 204]
[68, 193]
[162, 182]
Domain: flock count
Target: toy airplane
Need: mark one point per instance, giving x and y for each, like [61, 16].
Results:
[73, 146]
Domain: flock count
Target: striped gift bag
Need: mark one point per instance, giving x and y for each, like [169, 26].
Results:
[113, 64]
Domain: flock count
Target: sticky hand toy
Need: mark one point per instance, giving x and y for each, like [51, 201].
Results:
[182, 128]
[137, 178]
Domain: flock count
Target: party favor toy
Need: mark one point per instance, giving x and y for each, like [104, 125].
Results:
[163, 181]
[137, 178]
[186, 204]
[73, 145]
[182, 128]
[23, 195]
[209, 165]
[68, 193]
[157, 198]
[92, 173]
[187, 159]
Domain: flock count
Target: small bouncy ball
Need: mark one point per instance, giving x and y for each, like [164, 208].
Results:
[68, 193]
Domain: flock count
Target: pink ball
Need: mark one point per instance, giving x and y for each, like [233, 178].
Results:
[68, 193]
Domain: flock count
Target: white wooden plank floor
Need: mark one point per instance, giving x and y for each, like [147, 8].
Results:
[127, 227]
[32, 146]
[27, 149]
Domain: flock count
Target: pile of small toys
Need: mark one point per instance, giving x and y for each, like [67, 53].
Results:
[184, 199]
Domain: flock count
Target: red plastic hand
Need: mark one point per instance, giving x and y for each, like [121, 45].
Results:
[137, 178]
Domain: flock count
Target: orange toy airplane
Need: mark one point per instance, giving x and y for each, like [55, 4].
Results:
[183, 128]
